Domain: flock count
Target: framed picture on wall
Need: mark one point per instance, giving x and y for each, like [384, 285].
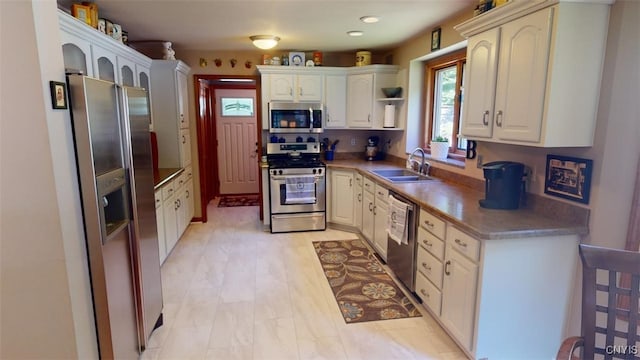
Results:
[58, 95]
[435, 39]
[568, 177]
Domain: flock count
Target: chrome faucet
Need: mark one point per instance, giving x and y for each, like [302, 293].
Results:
[423, 165]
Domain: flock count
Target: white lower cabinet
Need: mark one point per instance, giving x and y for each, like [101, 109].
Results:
[358, 202]
[342, 197]
[380, 211]
[459, 295]
[483, 291]
[174, 211]
[375, 207]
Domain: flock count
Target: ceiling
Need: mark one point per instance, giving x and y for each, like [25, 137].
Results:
[301, 24]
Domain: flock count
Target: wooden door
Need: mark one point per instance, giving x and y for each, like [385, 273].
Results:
[237, 141]
[360, 104]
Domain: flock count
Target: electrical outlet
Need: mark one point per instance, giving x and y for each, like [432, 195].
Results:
[479, 162]
[353, 141]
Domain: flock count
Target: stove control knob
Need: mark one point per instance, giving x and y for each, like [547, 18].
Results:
[319, 171]
[314, 171]
[280, 172]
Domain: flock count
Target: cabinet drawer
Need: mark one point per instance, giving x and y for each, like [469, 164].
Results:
[429, 266]
[464, 243]
[430, 295]
[180, 181]
[431, 243]
[168, 190]
[359, 179]
[158, 198]
[369, 185]
[382, 194]
[432, 223]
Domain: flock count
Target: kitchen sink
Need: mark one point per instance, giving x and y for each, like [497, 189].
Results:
[401, 175]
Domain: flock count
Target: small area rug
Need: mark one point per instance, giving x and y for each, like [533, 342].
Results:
[362, 288]
[239, 200]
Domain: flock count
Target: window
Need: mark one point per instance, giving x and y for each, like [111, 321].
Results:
[443, 105]
[237, 106]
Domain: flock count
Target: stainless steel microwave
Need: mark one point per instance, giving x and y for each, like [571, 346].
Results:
[301, 117]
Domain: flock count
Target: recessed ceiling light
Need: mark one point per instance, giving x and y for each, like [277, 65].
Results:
[369, 19]
[355, 33]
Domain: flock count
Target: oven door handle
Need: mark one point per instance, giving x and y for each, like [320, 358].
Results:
[317, 177]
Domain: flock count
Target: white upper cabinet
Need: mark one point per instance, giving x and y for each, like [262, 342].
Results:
[533, 73]
[360, 105]
[335, 101]
[98, 55]
[293, 87]
[349, 94]
[170, 112]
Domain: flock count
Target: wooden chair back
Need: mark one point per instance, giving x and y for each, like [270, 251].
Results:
[610, 331]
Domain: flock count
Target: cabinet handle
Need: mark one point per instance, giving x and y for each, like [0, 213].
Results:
[461, 243]
[175, 205]
[359, 197]
[424, 265]
[350, 182]
[300, 92]
[429, 224]
[426, 243]
[187, 194]
[499, 118]
[374, 210]
[184, 140]
[328, 118]
[369, 118]
[485, 116]
[370, 206]
[290, 91]
[446, 267]
[424, 293]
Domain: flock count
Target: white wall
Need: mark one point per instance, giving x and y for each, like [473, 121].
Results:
[45, 298]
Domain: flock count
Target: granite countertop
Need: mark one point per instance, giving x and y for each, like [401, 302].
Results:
[458, 204]
[163, 175]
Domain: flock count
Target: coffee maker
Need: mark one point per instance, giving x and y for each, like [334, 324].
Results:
[504, 185]
[372, 152]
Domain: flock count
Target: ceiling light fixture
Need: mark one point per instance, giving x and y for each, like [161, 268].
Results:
[355, 33]
[264, 42]
[369, 19]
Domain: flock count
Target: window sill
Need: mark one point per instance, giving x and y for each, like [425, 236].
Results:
[452, 159]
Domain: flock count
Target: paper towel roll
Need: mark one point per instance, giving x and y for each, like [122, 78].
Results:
[389, 116]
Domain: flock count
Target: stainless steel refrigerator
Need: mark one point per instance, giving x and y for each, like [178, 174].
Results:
[113, 151]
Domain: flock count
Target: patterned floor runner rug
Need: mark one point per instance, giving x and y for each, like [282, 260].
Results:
[239, 200]
[362, 288]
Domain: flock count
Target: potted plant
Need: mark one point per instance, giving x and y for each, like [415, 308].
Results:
[439, 147]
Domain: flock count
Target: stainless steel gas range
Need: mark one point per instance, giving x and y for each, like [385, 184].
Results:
[297, 187]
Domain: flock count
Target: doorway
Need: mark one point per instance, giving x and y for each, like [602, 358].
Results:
[225, 137]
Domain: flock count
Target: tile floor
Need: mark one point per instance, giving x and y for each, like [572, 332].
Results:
[233, 291]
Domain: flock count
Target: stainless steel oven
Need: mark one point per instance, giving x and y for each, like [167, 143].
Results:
[297, 187]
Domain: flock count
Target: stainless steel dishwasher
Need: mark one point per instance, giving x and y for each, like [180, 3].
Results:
[401, 258]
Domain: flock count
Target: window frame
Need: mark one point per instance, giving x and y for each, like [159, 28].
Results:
[456, 58]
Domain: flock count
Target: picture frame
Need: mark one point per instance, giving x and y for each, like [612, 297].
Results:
[58, 94]
[568, 177]
[435, 39]
[82, 13]
[296, 59]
